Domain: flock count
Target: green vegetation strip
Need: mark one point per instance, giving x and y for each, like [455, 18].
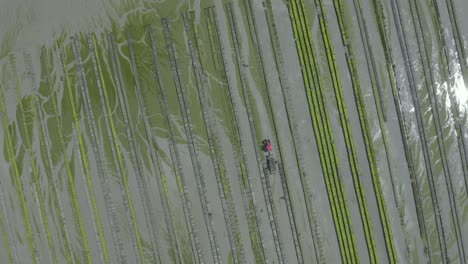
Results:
[237, 141]
[117, 153]
[45, 65]
[88, 180]
[389, 241]
[68, 165]
[345, 124]
[6, 240]
[27, 121]
[98, 150]
[5, 226]
[142, 185]
[16, 177]
[323, 134]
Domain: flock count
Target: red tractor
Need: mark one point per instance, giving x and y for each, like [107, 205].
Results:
[266, 146]
[270, 161]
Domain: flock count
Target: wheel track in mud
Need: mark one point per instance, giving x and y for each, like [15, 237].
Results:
[217, 157]
[246, 181]
[265, 183]
[201, 184]
[175, 158]
[285, 88]
[431, 89]
[420, 127]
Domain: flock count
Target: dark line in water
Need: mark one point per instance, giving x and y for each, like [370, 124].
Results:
[122, 173]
